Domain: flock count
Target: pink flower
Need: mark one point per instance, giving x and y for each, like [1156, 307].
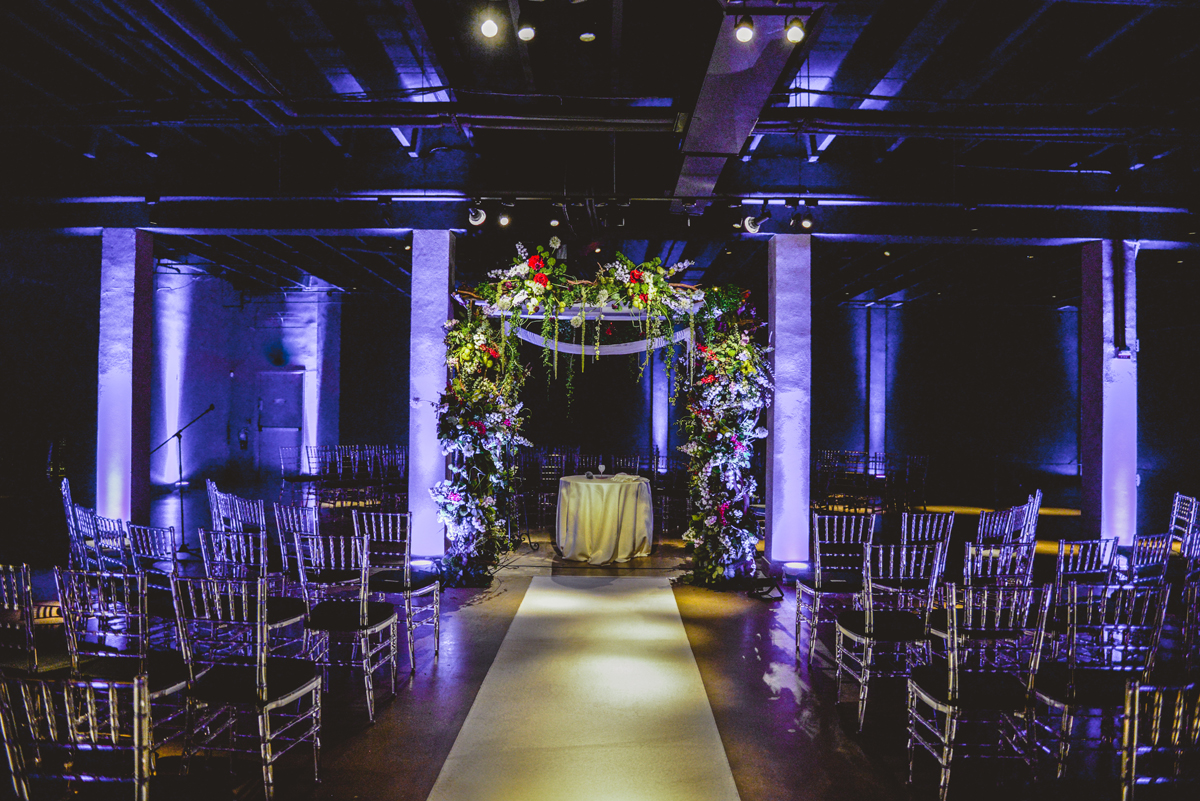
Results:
[455, 497]
[478, 426]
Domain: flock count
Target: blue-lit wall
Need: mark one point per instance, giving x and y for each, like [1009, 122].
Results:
[839, 378]
[374, 372]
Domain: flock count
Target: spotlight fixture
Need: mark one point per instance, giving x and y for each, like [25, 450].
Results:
[744, 29]
[488, 27]
[752, 225]
[504, 219]
[476, 215]
[587, 35]
[794, 30]
[806, 220]
[554, 222]
[525, 28]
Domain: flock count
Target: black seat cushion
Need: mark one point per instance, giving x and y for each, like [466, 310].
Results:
[344, 615]
[281, 609]
[844, 582]
[236, 684]
[1090, 688]
[890, 625]
[331, 576]
[392, 581]
[165, 669]
[981, 690]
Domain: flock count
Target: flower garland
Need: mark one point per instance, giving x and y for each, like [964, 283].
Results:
[479, 422]
[732, 388]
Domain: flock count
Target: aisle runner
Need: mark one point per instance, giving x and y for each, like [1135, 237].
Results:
[594, 696]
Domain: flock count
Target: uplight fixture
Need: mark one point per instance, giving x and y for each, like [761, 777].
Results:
[794, 30]
[476, 216]
[752, 225]
[525, 28]
[744, 29]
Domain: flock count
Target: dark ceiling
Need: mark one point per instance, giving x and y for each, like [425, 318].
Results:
[946, 148]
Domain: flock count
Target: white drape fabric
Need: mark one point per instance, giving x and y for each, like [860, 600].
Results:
[604, 520]
[615, 349]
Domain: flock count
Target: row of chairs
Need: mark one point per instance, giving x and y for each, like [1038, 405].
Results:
[345, 461]
[858, 481]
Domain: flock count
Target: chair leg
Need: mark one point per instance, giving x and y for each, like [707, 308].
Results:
[268, 769]
[865, 685]
[912, 727]
[392, 648]
[437, 620]
[813, 620]
[316, 714]
[364, 644]
[408, 625]
[1064, 740]
[799, 619]
[839, 657]
[951, 732]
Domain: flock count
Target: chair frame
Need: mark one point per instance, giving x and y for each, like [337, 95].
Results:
[998, 565]
[845, 530]
[1172, 730]
[1079, 559]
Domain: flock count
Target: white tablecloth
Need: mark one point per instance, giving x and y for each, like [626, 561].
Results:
[604, 520]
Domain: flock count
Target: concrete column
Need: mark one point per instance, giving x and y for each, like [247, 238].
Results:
[432, 281]
[124, 375]
[789, 290]
[1108, 389]
[877, 360]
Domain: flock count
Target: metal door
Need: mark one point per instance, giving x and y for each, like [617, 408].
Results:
[280, 416]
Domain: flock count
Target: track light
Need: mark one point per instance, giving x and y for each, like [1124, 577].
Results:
[504, 219]
[489, 28]
[794, 30]
[805, 220]
[587, 35]
[476, 215]
[744, 29]
[525, 28]
[752, 225]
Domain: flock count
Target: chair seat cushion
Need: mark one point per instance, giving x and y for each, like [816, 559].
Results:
[1091, 688]
[982, 690]
[844, 583]
[281, 609]
[331, 576]
[890, 625]
[345, 615]
[392, 581]
[165, 670]
[237, 684]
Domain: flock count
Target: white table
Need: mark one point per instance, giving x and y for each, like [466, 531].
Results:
[602, 520]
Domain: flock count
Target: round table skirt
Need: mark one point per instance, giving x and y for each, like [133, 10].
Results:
[602, 520]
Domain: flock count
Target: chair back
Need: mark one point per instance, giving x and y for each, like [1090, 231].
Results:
[222, 620]
[104, 614]
[1024, 520]
[334, 564]
[1085, 562]
[290, 521]
[322, 460]
[899, 577]
[927, 528]
[838, 541]
[112, 545]
[230, 552]
[995, 629]
[551, 468]
[1148, 560]
[1183, 517]
[77, 730]
[1160, 741]
[394, 460]
[388, 536]
[1114, 626]
[998, 565]
[1191, 622]
[16, 617]
[995, 528]
[85, 538]
[153, 546]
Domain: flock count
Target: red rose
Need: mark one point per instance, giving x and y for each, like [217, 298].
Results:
[535, 262]
[541, 278]
[635, 276]
[478, 426]
[708, 379]
[643, 297]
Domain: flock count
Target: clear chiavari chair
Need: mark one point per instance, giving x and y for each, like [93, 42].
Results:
[236, 681]
[1183, 517]
[1191, 623]
[1112, 636]
[551, 468]
[993, 648]
[891, 631]
[837, 570]
[1024, 520]
[85, 539]
[153, 549]
[112, 545]
[397, 573]
[290, 521]
[76, 732]
[112, 635]
[366, 629]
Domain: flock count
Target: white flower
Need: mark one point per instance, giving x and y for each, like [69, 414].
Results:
[504, 303]
[743, 356]
[577, 320]
[521, 270]
[555, 243]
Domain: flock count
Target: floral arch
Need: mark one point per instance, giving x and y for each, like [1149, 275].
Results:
[711, 339]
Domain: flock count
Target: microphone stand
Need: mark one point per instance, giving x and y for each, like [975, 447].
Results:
[178, 435]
